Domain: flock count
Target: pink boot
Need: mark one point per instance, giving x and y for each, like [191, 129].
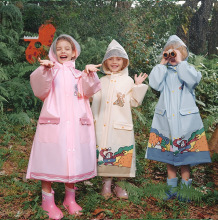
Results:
[48, 205]
[121, 193]
[69, 202]
[106, 190]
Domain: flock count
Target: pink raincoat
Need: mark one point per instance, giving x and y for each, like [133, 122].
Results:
[64, 147]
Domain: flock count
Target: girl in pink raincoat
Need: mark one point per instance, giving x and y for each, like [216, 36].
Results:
[64, 147]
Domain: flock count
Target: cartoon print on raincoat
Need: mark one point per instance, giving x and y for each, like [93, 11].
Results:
[111, 109]
[177, 134]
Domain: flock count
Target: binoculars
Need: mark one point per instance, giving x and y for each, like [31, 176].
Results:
[169, 54]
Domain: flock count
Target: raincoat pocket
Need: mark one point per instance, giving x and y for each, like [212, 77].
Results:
[122, 134]
[190, 119]
[85, 129]
[123, 126]
[159, 111]
[85, 121]
[160, 121]
[48, 133]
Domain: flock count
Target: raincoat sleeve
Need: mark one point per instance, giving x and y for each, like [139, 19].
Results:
[41, 81]
[189, 75]
[90, 84]
[157, 77]
[96, 103]
[138, 94]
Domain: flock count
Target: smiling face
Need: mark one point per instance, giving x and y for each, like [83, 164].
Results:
[114, 64]
[64, 51]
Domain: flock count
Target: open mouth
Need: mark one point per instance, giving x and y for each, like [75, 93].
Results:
[114, 66]
[63, 56]
[173, 60]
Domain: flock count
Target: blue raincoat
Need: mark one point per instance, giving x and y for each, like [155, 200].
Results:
[177, 134]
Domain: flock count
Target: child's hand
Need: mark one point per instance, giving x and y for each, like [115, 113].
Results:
[178, 57]
[92, 68]
[164, 61]
[46, 63]
[139, 79]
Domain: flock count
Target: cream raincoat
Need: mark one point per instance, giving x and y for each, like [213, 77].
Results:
[111, 109]
[64, 147]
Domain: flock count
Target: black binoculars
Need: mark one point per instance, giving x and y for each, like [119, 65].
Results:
[169, 54]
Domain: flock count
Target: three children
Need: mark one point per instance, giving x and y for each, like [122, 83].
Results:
[64, 147]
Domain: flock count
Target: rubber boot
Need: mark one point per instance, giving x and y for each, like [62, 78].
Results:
[171, 193]
[185, 184]
[106, 190]
[48, 205]
[69, 202]
[120, 193]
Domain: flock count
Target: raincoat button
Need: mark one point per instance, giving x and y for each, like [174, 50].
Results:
[173, 115]
[48, 121]
[107, 102]
[111, 80]
[173, 91]
[104, 125]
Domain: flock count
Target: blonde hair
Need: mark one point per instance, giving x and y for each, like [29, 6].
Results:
[125, 64]
[182, 49]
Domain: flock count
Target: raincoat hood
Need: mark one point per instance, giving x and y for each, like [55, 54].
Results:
[115, 50]
[176, 42]
[52, 51]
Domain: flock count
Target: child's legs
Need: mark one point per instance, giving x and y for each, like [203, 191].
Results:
[70, 185]
[185, 172]
[46, 186]
[171, 171]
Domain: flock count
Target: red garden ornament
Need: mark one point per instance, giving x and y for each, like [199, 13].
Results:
[35, 48]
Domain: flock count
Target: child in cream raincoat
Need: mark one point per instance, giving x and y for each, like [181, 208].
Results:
[64, 147]
[111, 109]
[177, 135]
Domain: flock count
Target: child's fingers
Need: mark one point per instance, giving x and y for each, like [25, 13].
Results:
[98, 65]
[145, 75]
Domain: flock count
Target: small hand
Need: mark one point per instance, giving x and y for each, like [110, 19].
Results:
[164, 61]
[46, 63]
[140, 78]
[178, 57]
[92, 68]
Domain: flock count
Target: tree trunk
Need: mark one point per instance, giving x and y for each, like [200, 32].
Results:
[199, 27]
[188, 10]
[213, 142]
[213, 36]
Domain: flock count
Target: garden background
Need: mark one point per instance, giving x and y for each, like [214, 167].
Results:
[142, 28]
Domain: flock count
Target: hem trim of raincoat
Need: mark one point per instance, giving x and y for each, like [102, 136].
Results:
[116, 175]
[187, 158]
[59, 178]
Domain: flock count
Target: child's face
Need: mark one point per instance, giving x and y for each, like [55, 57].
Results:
[114, 64]
[64, 51]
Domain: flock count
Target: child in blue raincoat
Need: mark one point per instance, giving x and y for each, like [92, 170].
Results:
[177, 136]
